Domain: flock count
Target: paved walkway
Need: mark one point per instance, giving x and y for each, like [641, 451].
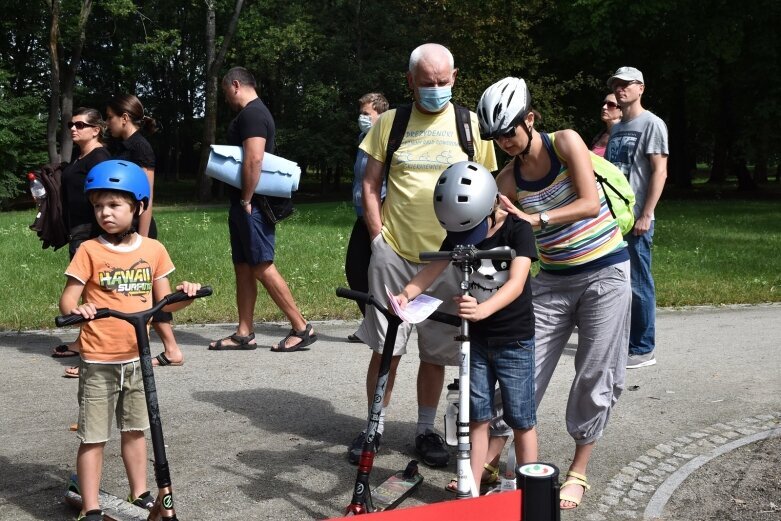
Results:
[261, 435]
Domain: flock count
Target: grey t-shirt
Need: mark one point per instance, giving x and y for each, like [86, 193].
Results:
[631, 142]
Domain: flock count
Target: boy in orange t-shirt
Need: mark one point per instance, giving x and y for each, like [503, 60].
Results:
[123, 271]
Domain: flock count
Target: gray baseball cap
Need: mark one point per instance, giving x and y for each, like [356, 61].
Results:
[625, 74]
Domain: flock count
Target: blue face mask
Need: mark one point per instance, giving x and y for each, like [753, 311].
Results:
[434, 99]
[364, 122]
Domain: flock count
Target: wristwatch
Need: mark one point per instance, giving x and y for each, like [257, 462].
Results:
[244, 203]
[544, 220]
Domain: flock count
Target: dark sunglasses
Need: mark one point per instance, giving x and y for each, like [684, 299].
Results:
[80, 125]
[611, 104]
[510, 133]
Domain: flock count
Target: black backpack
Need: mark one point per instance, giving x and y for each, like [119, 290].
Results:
[401, 119]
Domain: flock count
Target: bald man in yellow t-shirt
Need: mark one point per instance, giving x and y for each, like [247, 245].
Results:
[404, 225]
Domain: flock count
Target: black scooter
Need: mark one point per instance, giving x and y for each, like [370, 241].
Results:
[164, 505]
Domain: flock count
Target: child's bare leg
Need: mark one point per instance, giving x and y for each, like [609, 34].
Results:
[495, 447]
[525, 445]
[89, 464]
[478, 436]
[166, 333]
[134, 455]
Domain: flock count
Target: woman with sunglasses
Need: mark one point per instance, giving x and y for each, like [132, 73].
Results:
[610, 115]
[584, 265]
[125, 118]
[86, 127]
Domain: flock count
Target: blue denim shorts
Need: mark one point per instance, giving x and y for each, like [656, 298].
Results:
[252, 238]
[512, 365]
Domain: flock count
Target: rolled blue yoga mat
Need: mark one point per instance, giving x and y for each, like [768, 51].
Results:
[279, 177]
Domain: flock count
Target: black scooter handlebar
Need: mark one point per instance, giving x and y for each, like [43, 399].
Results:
[469, 253]
[71, 320]
[179, 296]
[367, 299]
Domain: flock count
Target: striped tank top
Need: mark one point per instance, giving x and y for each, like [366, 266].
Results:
[580, 246]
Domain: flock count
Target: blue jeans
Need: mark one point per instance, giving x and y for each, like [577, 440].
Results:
[642, 335]
[512, 365]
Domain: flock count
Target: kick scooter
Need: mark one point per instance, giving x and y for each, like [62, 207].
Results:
[164, 504]
[466, 258]
[399, 486]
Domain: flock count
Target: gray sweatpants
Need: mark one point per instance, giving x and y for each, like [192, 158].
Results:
[599, 304]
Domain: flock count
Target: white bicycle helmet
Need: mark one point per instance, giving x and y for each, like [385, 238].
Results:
[464, 196]
[502, 106]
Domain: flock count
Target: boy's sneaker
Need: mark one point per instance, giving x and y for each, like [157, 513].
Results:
[73, 484]
[92, 515]
[356, 447]
[637, 361]
[431, 449]
[145, 500]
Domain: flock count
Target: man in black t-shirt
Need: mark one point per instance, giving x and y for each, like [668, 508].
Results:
[251, 233]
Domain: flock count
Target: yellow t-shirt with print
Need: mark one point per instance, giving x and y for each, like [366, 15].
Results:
[430, 145]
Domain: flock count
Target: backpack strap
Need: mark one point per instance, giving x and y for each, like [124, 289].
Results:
[400, 120]
[464, 128]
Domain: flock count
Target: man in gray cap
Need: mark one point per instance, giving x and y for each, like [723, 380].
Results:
[638, 146]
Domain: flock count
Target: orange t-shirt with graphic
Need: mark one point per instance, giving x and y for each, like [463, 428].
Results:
[118, 278]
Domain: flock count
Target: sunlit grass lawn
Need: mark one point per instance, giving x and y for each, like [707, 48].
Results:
[704, 253]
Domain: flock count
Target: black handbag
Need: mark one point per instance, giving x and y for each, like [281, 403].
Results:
[275, 209]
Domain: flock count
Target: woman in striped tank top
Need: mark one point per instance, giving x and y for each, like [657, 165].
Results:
[584, 265]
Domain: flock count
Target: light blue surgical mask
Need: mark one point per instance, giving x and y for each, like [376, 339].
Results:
[434, 99]
[364, 122]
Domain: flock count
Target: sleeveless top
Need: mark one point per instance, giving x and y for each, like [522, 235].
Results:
[580, 246]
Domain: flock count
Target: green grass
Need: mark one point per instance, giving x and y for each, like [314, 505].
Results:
[717, 252]
[705, 252]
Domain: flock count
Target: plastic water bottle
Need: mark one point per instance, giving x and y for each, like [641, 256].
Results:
[451, 414]
[36, 188]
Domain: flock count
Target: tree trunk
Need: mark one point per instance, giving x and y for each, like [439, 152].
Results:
[54, 103]
[761, 152]
[213, 65]
[680, 165]
[69, 79]
[724, 135]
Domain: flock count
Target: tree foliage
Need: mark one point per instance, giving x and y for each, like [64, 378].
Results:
[712, 71]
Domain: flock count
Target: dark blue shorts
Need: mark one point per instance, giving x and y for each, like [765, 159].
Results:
[512, 365]
[252, 238]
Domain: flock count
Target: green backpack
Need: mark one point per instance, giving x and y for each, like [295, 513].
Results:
[619, 195]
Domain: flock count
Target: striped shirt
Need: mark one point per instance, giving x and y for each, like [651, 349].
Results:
[573, 247]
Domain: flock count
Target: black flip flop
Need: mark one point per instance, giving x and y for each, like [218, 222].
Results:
[163, 361]
[242, 343]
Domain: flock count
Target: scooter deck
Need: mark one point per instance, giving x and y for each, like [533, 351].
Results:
[114, 509]
[398, 487]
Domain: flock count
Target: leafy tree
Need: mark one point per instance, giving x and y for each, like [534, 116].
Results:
[21, 128]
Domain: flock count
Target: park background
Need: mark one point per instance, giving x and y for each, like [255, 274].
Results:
[712, 71]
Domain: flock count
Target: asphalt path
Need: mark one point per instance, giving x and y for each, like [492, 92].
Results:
[262, 435]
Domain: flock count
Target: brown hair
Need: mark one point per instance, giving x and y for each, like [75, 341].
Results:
[378, 101]
[93, 117]
[131, 105]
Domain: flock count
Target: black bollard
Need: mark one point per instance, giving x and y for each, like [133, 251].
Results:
[540, 485]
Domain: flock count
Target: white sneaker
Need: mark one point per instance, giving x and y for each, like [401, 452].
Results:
[637, 361]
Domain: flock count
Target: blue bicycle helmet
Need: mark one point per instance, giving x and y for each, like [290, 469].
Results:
[119, 175]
